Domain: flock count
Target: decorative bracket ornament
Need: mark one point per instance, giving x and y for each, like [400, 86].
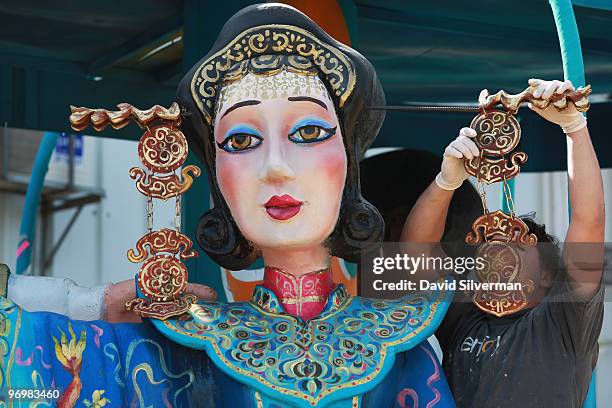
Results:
[579, 98]
[163, 187]
[164, 240]
[99, 119]
[501, 227]
[162, 149]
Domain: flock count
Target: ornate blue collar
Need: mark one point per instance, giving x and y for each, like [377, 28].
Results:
[345, 351]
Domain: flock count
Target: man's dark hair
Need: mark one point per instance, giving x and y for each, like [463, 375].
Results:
[549, 253]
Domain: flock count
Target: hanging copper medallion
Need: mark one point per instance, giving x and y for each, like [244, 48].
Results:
[498, 133]
[162, 277]
[162, 149]
[502, 265]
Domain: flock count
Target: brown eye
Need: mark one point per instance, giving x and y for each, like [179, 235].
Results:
[240, 142]
[309, 132]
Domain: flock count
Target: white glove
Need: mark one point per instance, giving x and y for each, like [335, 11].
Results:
[453, 174]
[569, 119]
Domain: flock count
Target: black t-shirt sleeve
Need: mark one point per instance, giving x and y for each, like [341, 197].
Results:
[579, 321]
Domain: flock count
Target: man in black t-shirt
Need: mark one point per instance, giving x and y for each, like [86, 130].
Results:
[544, 354]
[509, 361]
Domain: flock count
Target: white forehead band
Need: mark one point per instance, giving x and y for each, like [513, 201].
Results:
[264, 87]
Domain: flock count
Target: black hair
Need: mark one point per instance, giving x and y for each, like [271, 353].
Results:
[549, 253]
[360, 225]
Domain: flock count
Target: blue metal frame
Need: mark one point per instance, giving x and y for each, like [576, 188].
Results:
[573, 69]
[27, 231]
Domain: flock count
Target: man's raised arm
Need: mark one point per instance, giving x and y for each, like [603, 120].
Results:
[583, 250]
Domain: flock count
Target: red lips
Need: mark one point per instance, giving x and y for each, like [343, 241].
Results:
[283, 207]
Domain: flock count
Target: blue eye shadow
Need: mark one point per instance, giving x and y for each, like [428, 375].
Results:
[310, 121]
[238, 129]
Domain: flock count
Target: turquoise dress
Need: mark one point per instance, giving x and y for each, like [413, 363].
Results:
[358, 352]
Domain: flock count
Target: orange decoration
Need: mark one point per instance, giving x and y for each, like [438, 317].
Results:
[327, 14]
[503, 264]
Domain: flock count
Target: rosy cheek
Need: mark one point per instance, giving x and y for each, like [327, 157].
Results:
[334, 166]
[325, 162]
[231, 175]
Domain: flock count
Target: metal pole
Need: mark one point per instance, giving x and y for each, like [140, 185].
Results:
[49, 259]
[27, 230]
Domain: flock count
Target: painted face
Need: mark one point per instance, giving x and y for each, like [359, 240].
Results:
[280, 159]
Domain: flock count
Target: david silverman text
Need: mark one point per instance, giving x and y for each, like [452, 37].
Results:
[423, 284]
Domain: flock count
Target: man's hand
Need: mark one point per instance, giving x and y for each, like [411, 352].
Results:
[569, 119]
[118, 294]
[453, 173]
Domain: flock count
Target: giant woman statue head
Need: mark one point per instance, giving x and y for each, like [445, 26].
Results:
[277, 110]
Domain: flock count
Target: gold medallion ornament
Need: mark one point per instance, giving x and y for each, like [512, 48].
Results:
[162, 149]
[500, 234]
[502, 264]
[497, 134]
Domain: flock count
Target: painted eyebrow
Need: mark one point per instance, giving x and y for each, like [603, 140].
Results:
[307, 99]
[240, 105]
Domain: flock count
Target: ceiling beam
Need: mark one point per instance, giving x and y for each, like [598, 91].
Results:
[43, 63]
[480, 29]
[154, 36]
[596, 4]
